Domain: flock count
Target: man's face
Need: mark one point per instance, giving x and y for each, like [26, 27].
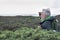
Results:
[43, 15]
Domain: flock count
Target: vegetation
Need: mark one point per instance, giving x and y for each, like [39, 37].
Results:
[29, 34]
[15, 22]
[24, 28]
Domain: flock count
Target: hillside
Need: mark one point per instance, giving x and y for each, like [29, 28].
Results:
[14, 22]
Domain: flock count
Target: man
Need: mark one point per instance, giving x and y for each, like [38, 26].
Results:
[46, 19]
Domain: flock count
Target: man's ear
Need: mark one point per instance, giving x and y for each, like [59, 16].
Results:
[39, 13]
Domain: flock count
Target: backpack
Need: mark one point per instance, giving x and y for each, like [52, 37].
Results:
[56, 23]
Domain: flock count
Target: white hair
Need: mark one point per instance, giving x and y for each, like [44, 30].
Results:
[46, 11]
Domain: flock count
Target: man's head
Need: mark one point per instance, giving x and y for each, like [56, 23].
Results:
[45, 13]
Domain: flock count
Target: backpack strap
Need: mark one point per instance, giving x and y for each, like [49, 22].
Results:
[57, 20]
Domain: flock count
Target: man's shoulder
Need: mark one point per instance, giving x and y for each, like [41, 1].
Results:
[51, 18]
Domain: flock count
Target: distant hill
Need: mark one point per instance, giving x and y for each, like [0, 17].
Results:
[14, 22]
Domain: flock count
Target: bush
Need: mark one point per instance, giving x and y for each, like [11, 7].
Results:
[26, 33]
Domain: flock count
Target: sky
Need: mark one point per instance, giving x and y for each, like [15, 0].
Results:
[28, 7]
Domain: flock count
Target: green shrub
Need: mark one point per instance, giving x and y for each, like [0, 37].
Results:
[26, 33]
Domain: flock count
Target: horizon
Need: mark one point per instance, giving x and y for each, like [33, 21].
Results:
[28, 7]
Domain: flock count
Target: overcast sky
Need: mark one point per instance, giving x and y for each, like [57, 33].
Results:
[28, 7]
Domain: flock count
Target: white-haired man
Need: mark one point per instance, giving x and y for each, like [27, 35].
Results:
[46, 19]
